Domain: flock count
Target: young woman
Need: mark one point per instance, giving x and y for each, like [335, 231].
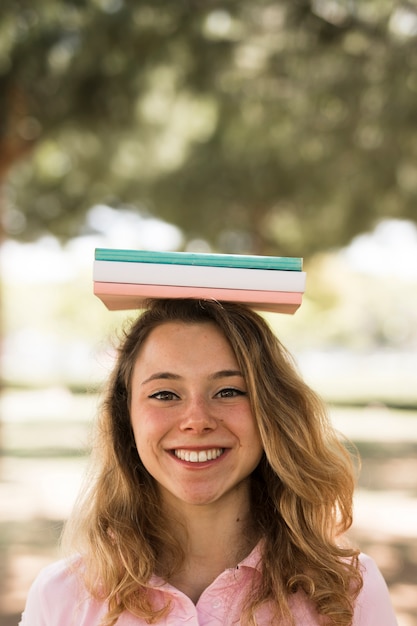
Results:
[219, 493]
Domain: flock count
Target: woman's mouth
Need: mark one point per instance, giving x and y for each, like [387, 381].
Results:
[198, 456]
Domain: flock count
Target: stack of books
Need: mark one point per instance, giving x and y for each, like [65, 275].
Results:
[125, 279]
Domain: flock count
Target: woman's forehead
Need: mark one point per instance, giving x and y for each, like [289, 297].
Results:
[177, 341]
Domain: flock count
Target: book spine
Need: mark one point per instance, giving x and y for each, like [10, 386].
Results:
[204, 259]
[198, 276]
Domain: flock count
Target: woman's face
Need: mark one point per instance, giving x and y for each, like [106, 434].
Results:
[191, 415]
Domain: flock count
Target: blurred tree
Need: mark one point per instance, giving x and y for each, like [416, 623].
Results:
[280, 126]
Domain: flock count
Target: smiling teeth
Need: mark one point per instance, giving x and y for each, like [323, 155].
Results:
[199, 457]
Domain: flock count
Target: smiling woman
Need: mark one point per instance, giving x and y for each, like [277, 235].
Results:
[219, 493]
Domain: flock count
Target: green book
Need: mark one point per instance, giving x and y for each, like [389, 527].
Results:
[201, 258]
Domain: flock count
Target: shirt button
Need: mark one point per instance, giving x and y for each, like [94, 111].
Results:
[216, 604]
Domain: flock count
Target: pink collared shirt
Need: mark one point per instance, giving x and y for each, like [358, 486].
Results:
[58, 598]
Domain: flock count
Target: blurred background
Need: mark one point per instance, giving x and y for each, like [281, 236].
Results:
[271, 127]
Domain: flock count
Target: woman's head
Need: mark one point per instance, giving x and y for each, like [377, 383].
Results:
[191, 315]
[288, 414]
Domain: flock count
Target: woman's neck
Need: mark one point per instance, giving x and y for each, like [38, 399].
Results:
[215, 537]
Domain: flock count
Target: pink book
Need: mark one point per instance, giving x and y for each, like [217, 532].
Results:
[124, 296]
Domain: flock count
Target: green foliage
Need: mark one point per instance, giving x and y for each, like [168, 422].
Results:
[282, 127]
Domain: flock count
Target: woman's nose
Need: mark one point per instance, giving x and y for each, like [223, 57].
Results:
[198, 416]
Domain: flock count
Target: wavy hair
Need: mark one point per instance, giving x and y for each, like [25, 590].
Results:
[301, 491]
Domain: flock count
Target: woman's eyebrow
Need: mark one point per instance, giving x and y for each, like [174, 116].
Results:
[225, 374]
[161, 376]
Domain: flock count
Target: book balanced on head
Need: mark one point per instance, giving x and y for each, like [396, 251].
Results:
[124, 279]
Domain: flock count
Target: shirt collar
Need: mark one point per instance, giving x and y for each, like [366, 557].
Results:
[254, 558]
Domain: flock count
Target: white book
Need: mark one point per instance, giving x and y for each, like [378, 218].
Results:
[199, 276]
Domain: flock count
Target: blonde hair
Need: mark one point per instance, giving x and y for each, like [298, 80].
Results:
[301, 491]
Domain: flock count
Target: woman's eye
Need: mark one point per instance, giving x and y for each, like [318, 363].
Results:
[230, 392]
[164, 395]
